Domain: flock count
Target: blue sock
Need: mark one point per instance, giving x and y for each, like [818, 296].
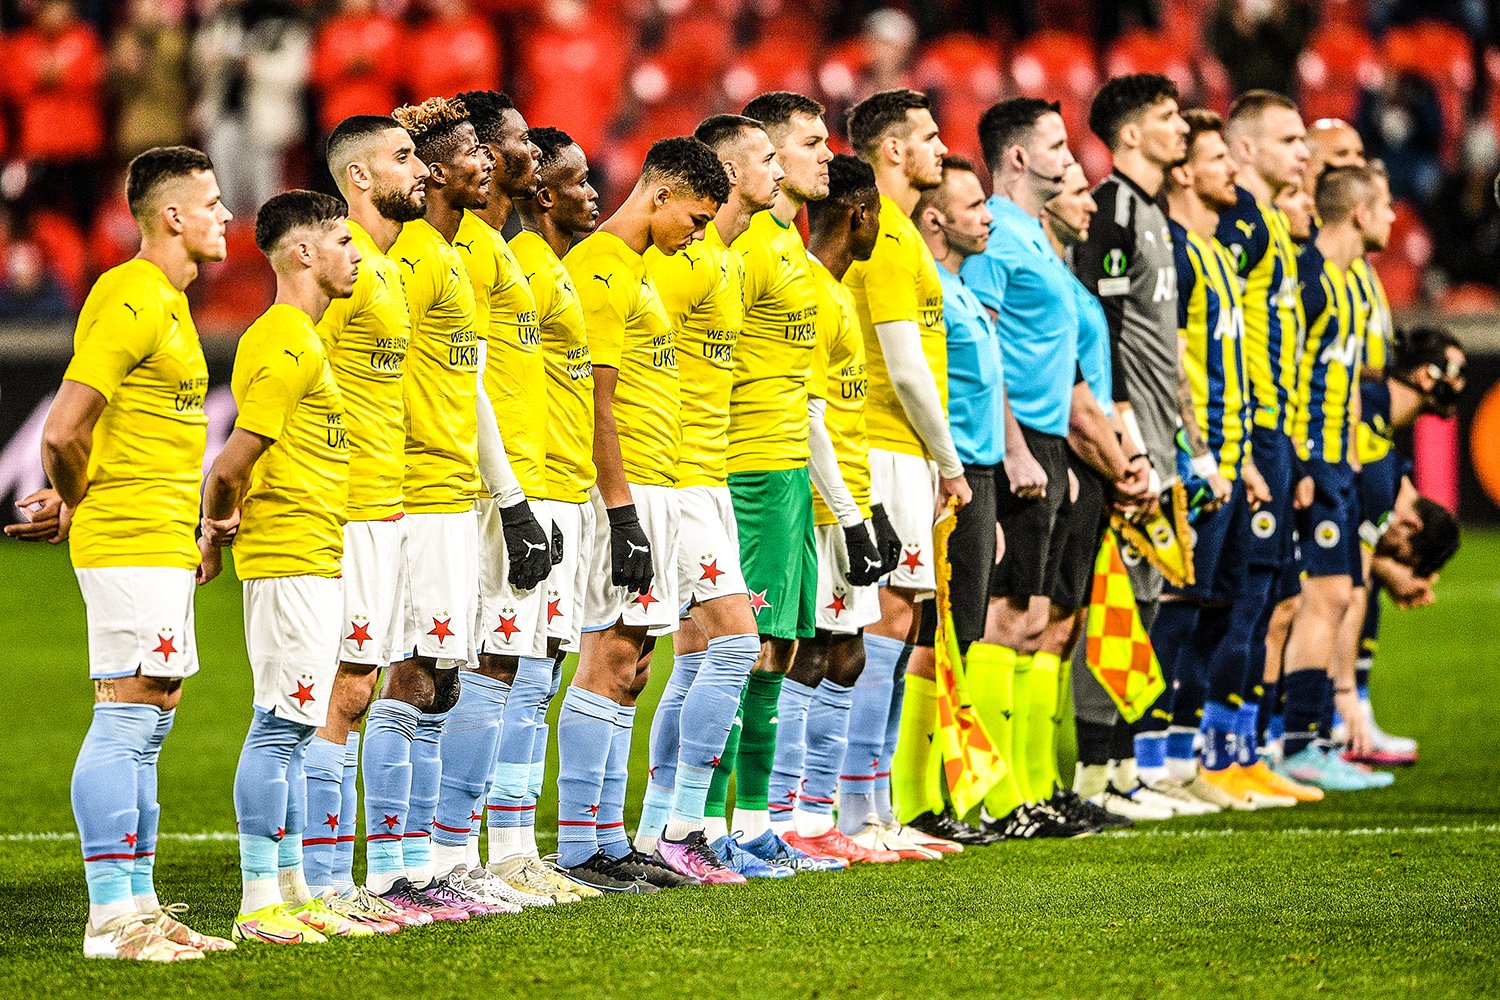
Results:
[666, 744]
[143, 877]
[262, 791]
[1180, 743]
[324, 765]
[389, 732]
[343, 865]
[106, 802]
[467, 749]
[1304, 692]
[1219, 735]
[510, 773]
[426, 781]
[1246, 737]
[611, 827]
[585, 731]
[827, 738]
[289, 851]
[538, 766]
[708, 713]
[1150, 751]
[869, 711]
[883, 810]
[791, 748]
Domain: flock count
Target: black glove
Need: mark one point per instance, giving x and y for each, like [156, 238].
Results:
[557, 544]
[629, 550]
[887, 542]
[526, 546]
[864, 559]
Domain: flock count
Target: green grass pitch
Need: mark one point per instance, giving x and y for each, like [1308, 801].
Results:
[1382, 893]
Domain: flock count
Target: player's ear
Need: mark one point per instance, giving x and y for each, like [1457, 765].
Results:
[170, 216]
[661, 195]
[893, 148]
[438, 173]
[1182, 176]
[359, 176]
[732, 171]
[544, 199]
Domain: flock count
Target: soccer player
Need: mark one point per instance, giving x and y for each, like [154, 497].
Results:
[563, 207]
[1355, 212]
[278, 492]
[375, 166]
[716, 645]
[137, 374]
[637, 430]
[441, 483]
[515, 548]
[899, 298]
[1027, 288]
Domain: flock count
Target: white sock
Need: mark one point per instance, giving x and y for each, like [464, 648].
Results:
[644, 842]
[421, 877]
[102, 913]
[381, 883]
[446, 858]
[508, 842]
[1124, 774]
[715, 828]
[293, 886]
[811, 824]
[1089, 779]
[528, 841]
[471, 856]
[752, 823]
[783, 827]
[147, 903]
[680, 829]
[1180, 770]
[257, 894]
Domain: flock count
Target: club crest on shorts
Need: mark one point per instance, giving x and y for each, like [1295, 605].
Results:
[1326, 534]
[1129, 555]
[1263, 524]
[1161, 535]
[1193, 537]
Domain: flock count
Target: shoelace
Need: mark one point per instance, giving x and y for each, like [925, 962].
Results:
[369, 902]
[699, 849]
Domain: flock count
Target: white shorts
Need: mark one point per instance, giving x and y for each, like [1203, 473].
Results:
[708, 546]
[140, 618]
[292, 632]
[376, 592]
[843, 608]
[442, 558]
[512, 622]
[568, 583]
[907, 485]
[657, 608]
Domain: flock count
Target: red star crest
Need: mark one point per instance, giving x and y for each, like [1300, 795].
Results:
[303, 694]
[128, 840]
[360, 634]
[758, 601]
[554, 609]
[440, 629]
[332, 822]
[715, 761]
[711, 571]
[165, 646]
[508, 627]
[791, 795]
[391, 822]
[651, 772]
[647, 599]
[912, 560]
[838, 606]
[594, 810]
[280, 832]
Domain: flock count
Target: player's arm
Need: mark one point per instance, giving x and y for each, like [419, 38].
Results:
[44, 518]
[68, 438]
[912, 381]
[528, 551]
[1093, 439]
[865, 564]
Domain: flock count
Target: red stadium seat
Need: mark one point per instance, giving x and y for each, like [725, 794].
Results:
[963, 75]
[1059, 66]
[1339, 62]
[1402, 281]
[695, 49]
[228, 296]
[1441, 54]
[1409, 237]
[1462, 299]
[571, 77]
[449, 55]
[1141, 51]
[773, 63]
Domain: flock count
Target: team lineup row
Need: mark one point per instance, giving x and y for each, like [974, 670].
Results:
[458, 457]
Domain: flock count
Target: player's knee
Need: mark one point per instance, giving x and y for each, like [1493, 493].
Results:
[445, 692]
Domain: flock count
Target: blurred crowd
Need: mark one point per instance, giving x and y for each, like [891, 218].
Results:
[257, 83]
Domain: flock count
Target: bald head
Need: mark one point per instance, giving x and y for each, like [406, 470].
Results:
[1332, 142]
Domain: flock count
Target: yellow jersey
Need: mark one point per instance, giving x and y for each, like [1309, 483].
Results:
[702, 288]
[567, 367]
[292, 517]
[1380, 327]
[137, 347]
[365, 338]
[1211, 327]
[838, 378]
[1336, 319]
[629, 331]
[773, 357]
[442, 364]
[514, 378]
[899, 283]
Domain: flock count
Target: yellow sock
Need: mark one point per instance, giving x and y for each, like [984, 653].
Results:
[991, 670]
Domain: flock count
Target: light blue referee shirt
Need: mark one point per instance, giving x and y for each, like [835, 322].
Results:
[976, 375]
[1093, 346]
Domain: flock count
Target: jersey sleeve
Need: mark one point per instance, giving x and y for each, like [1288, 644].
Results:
[891, 280]
[1187, 276]
[276, 384]
[987, 274]
[120, 335]
[602, 287]
[1243, 232]
[1103, 262]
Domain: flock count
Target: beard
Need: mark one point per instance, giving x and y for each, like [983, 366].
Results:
[396, 205]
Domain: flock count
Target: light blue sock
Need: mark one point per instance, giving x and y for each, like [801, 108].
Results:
[324, 766]
[869, 710]
[142, 879]
[510, 804]
[827, 740]
[261, 791]
[791, 748]
[343, 867]
[426, 779]
[883, 808]
[585, 731]
[289, 853]
[389, 732]
[467, 747]
[611, 828]
[106, 802]
[666, 744]
[708, 713]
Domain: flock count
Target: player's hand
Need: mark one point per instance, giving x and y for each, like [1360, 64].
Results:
[557, 544]
[1072, 486]
[958, 487]
[999, 544]
[1256, 490]
[887, 542]
[1302, 495]
[629, 550]
[1356, 726]
[1221, 488]
[223, 532]
[1136, 483]
[1028, 480]
[527, 547]
[211, 560]
[46, 518]
[865, 564]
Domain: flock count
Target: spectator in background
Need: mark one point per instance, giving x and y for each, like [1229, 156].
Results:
[148, 76]
[878, 58]
[1402, 124]
[1258, 41]
[27, 290]
[572, 74]
[250, 59]
[454, 50]
[1464, 220]
[356, 63]
[56, 81]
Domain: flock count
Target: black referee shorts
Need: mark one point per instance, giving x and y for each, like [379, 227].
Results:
[1035, 529]
[1086, 526]
[971, 554]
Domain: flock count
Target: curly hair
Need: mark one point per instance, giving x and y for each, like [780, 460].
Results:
[433, 125]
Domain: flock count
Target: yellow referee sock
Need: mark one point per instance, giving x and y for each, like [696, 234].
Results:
[990, 670]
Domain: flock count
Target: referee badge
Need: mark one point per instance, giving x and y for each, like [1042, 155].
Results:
[1263, 524]
[1326, 534]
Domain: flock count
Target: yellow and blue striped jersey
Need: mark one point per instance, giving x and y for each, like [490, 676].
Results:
[1380, 326]
[1330, 363]
[1211, 324]
[1260, 243]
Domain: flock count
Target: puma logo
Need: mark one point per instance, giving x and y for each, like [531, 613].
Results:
[871, 563]
[634, 548]
[534, 546]
[134, 312]
[380, 276]
[785, 261]
[410, 264]
[891, 236]
[604, 278]
[469, 246]
[296, 358]
[693, 264]
[530, 276]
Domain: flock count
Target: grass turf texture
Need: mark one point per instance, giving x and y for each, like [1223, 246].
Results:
[1389, 892]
